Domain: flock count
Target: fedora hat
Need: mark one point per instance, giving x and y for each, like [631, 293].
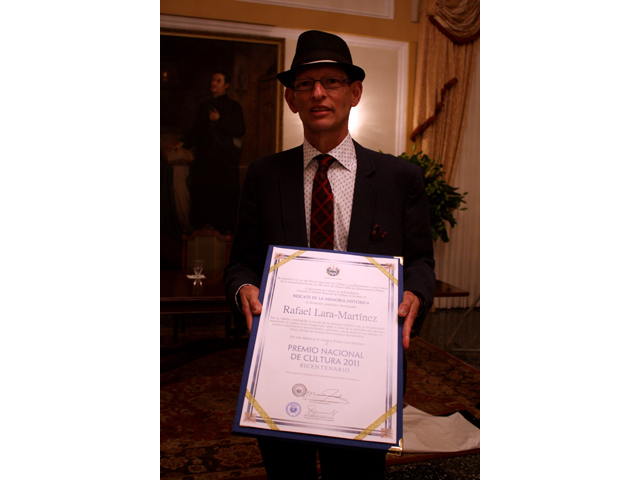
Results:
[316, 48]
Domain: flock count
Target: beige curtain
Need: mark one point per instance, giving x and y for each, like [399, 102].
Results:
[447, 55]
[458, 261]
[446, 127]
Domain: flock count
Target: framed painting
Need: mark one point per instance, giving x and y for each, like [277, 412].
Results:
[220, 108]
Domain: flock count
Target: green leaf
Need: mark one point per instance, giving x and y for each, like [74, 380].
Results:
[444, 200]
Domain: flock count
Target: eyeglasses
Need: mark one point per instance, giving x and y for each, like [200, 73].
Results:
[328, 83]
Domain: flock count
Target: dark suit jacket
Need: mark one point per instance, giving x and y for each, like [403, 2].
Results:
[389, 193]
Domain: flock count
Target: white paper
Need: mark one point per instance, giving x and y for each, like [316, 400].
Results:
[424, 433]
[325, 360]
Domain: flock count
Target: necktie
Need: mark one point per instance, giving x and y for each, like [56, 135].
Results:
[322, 206]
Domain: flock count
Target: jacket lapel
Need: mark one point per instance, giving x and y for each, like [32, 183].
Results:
[364, 199]
[291, 188]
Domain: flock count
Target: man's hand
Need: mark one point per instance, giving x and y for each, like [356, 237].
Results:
[214, 115]
[251, 306]
[408, 309]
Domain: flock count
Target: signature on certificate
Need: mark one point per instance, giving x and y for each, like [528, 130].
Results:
[314, 412]
[331, 395]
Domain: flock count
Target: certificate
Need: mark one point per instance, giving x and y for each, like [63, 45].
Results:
[324, 358]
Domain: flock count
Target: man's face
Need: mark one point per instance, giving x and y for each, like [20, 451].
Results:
[218, 87]
[324, 110]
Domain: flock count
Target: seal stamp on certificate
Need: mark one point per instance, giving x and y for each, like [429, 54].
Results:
[294, 409]
[333, 270]
[299, 390]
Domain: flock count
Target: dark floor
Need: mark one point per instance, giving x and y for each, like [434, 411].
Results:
[455, 330]
[454, 468]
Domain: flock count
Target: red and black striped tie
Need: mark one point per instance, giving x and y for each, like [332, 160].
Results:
[322, 206]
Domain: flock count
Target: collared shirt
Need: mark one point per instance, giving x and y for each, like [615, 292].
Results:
[342, 177]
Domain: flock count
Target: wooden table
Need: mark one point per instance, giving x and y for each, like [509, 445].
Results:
[180, 295]
[446, 290]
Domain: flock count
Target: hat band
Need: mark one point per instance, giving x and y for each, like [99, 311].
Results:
[318, 61]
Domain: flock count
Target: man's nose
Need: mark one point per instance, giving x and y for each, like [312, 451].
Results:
[318, 89]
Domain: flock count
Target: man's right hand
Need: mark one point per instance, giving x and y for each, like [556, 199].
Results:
[251, 306]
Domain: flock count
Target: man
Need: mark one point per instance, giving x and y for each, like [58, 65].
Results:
[214, 174]
[379, 207]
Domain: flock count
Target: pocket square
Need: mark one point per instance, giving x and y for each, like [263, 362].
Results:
[377, 233]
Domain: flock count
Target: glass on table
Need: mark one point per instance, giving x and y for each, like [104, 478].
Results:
[198, 266]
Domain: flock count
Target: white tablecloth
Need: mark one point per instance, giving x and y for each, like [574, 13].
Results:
[424, 433]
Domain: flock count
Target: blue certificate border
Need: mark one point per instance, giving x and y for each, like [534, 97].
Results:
[312, 438]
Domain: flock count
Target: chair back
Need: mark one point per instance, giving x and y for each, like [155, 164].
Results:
[208, 245]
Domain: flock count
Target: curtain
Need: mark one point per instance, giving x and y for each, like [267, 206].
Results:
[447, 55]
[458, 261]
[445, 129]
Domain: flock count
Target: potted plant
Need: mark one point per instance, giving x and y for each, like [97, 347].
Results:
[443, 199]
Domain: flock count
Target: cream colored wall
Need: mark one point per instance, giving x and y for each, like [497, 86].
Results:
[379, 109]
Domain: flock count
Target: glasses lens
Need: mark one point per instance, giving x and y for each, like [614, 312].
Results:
[327, 83]
[332, 82]
[303, 85]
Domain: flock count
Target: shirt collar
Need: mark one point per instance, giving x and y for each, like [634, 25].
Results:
[345, 153]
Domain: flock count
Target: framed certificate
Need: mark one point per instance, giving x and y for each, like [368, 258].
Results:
[324, 362]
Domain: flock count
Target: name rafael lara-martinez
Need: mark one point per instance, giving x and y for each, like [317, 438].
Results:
[321, 313]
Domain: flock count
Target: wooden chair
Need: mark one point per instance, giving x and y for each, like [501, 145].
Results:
[214, 248]
[206, 244]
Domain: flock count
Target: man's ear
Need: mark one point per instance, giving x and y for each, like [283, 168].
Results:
[289, 96]
[356, 92]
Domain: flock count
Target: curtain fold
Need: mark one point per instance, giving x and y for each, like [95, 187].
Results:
[459, 20]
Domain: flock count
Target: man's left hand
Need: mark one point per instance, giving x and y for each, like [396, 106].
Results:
[408, 309]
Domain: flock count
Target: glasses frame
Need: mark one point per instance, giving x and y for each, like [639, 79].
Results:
[345, 81]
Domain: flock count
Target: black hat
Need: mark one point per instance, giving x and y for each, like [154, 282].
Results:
[321, 48]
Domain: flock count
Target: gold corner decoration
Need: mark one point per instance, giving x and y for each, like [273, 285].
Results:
[383, 270]
[377, 423]
[261, 411]
[289, 258]
[396, 451]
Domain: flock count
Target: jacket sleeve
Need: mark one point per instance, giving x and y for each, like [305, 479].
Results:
[419, 276]
[247, 257]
